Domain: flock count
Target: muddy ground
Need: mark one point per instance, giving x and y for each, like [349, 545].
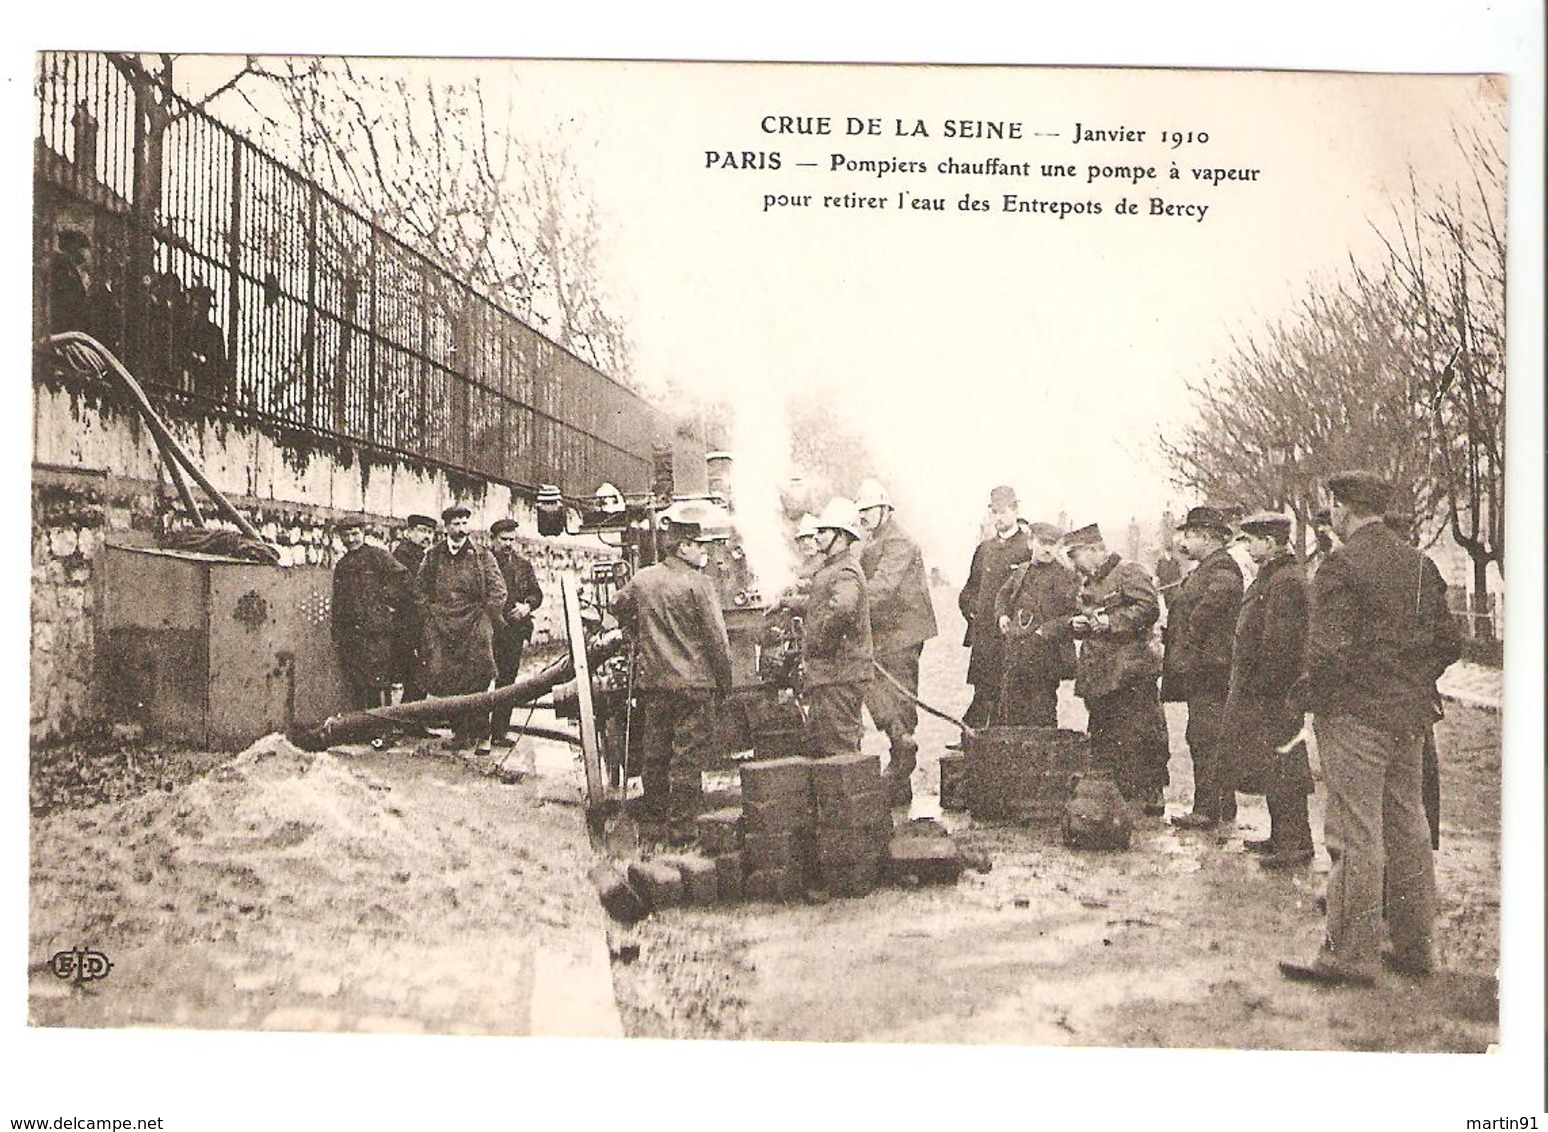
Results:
[410, 891]
[1172, 944]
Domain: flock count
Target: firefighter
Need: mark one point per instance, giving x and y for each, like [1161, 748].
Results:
[671, 611]
[902, 620]
[839, 661]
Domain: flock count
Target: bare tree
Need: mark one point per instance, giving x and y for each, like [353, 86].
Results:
[1446, 263]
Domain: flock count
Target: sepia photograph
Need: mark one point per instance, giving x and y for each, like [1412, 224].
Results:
[979, 560]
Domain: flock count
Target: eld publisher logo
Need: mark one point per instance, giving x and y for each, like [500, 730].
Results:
[81, 965]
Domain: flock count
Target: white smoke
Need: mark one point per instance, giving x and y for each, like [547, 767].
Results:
[760, 470]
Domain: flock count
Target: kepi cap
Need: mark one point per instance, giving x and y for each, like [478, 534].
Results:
[1089, 535]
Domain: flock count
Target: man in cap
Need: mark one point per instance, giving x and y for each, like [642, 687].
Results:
[839, 657]
[410, 551]
[463, 597]
[1403, 524]
[902, 620]
[991, 566]
[1261, 713]
[806, 543]
[1117, 670]
[671, 611]
[514, 628]
[1039, 590]
[370, 589]
[1322, 531]
[1380, 635]
[1200, 632]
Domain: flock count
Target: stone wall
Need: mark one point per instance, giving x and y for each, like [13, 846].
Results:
[96, 473]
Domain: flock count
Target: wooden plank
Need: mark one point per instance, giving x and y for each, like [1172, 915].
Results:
[575, 630]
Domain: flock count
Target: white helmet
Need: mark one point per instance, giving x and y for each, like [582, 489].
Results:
[807, 526]
[609, 499]
[871, 494]
[698, 519]
[841, 515]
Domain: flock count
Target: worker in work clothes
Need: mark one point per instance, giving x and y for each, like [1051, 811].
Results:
[514, 628]
[1117, 670]
[837, 617]
[370, 589]
[417, 537]
[1200, 633]
[902, 620]
[463, 596]
[1261, 713]
[1039, 590]
[1379, 637]
[671, 612]
[991, 566]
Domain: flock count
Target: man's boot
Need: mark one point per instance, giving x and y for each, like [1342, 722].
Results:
[900, 768]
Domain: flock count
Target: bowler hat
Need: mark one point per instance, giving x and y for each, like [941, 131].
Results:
[1366, 492]
[1266, 523]
[421, 521]
[501, 526]
[1002, 496]
[456, 511]
[1206, 519]
[1090, 535]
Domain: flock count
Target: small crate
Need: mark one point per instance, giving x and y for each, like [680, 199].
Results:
[1023, 773]
[954, 792]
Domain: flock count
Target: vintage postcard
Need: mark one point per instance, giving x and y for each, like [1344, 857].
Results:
[855, 554]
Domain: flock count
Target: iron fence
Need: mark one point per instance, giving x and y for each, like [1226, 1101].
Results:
[228, 281]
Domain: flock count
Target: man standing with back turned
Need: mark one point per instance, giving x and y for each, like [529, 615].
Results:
[1380, 635]
[902, 620]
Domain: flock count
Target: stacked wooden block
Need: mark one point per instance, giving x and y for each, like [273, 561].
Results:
[777, 828]
[1022, 773]
[954, 792]
[853, 823]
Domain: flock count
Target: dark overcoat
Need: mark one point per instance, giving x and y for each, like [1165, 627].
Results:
[1119, 656]
[672, 614]
[521, 585]
[899, 597]
[1267, 659]
[1201, 629]
[370, 591]
[1036, 593]
[462, 596]
[987, 574]
[1380, 633]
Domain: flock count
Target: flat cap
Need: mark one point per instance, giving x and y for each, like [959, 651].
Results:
[455, 511]
[1090, 535]
[421, 521]
[1045, 532]
[1365, 491]
[351, 522]
[1207, 519]
[1266, 523]
[1002, 496]
[502, 526]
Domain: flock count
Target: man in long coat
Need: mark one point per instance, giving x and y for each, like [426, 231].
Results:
[1117, 670]
[1380, 635]
[1200, 632]
[1262, 715]
[902, 620]
[370, 588]
[671, 612]
[410, 550]
[514, 628]
[463, 595]
[991, 566]
[1039, 590]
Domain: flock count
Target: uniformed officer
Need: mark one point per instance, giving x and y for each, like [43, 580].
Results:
[1039, 590]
